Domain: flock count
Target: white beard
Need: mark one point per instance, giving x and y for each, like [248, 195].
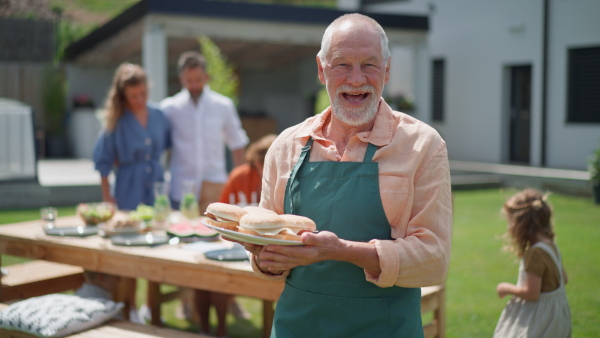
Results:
[356, 116]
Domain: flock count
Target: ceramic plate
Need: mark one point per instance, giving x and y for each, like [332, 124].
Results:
[251, 238]
[79, 231]
[106, 230]
[237, 253]
[140, 239]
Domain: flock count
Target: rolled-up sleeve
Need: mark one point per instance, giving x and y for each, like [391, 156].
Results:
[421, 258]
[104, 153]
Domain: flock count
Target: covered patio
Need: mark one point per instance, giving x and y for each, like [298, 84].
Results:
[272, 46]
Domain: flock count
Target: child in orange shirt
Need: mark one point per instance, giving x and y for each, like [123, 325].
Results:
[245, 181]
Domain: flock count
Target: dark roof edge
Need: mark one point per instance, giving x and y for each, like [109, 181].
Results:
[235, 10]
[103, 32]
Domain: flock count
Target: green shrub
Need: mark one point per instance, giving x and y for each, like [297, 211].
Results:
[594, 166]
[223, 78]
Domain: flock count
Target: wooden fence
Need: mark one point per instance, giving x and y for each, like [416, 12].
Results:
[24, 81]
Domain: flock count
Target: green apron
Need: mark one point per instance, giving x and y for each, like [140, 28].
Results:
[332, 298]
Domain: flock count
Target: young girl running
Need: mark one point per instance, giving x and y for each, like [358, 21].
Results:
[539, 306]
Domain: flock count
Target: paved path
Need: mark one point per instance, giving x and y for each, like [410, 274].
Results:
[67, 172]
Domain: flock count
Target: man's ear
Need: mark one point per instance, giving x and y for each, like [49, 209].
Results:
[320, 71]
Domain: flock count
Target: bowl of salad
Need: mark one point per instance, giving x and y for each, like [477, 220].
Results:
[96, 213]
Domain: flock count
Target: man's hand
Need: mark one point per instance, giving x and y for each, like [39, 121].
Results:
[278, 258]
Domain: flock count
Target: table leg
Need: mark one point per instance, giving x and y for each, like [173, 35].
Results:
[125, 290]
[154, 302]
[268, 312]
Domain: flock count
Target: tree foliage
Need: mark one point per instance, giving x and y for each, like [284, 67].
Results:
[223, 78]
[322, 100]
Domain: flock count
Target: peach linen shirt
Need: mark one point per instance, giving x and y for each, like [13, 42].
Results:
[414, 183]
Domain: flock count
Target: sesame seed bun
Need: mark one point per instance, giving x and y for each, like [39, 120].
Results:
[288, 227]
[299, 222]
[252, 209]
[225, 225]
[225, 212]
[260, 220]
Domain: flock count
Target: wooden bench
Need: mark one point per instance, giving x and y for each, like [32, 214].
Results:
[37, 278]
[115, 328]
[433, 299]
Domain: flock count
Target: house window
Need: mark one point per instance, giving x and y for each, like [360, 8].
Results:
[438, 85]
[584, 85]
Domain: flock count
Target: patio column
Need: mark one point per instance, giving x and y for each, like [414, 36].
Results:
[422, 80]
[154, 59]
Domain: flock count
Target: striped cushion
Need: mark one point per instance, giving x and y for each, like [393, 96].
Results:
[57, 315]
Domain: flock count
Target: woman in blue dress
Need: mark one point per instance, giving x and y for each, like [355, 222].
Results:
[134, 137]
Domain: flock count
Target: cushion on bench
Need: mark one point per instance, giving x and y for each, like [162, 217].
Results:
[57, 315]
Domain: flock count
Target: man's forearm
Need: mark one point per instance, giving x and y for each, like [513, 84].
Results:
[361, 254]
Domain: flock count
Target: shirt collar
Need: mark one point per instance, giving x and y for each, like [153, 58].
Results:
[380, 135]
[187, 97]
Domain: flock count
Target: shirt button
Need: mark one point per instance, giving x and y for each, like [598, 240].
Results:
[148, 141]
[148, 157]
[148, 169]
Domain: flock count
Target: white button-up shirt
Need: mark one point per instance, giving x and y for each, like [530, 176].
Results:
[199, 134]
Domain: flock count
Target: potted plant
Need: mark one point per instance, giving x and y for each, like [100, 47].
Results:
[54, 97]
[401, 102]
[594, 166]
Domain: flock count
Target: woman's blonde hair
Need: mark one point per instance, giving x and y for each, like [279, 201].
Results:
[528, 213]
[257, 150]
[127, 74]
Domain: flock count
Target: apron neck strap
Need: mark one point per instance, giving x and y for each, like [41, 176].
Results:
[371, 148]
[304, 155]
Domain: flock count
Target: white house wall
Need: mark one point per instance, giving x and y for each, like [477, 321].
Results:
[573, 25]
[93, 81]
[479, 41]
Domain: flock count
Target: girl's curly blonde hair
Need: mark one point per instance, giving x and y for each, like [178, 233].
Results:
[528, 213]
[126, 75]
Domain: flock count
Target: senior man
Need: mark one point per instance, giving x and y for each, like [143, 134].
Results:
[377, 184]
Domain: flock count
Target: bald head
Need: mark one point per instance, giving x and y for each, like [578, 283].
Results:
[353, 21]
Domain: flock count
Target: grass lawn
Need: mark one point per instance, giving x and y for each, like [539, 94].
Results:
[478, 264]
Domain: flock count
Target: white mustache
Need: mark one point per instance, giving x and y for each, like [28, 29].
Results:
[351, 90]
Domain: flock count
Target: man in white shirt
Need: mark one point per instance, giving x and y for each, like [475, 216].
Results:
[202, 123]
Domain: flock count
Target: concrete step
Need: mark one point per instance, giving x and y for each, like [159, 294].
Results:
[21, 195]
[475, 181]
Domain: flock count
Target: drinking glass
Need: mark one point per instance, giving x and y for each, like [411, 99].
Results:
[48, 215]
[162, 204]
[189, 203]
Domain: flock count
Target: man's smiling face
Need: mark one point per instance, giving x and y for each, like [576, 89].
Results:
[354, 72]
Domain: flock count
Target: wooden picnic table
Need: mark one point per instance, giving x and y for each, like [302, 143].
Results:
[163, 264]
